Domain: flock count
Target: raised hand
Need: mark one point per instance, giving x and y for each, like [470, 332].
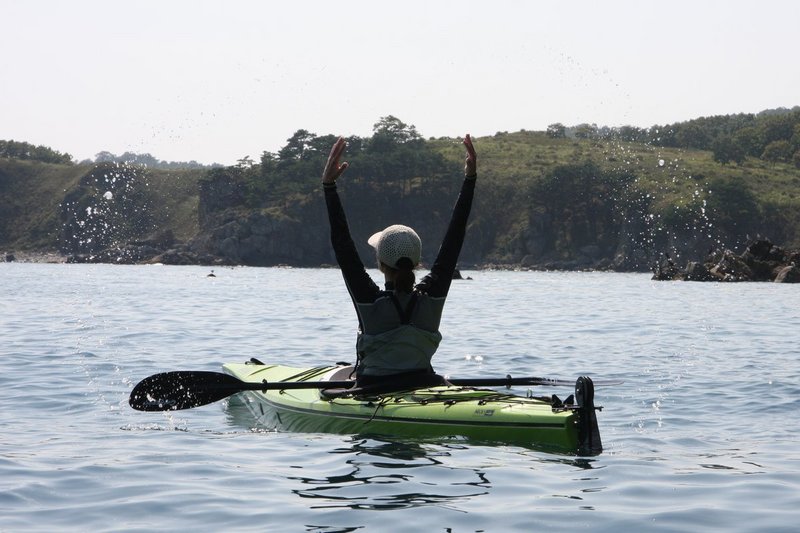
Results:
[334, 169]
[471, 163]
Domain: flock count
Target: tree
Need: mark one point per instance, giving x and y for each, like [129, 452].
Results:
[630, 133]
[297, 166]
[732, 208]
[137, 159]
[778, 128]
[586, 131]
[692, 135]
[22, 150]
[750, 141]
[245, 162]
[777, 151]
[556, 131]
[795, 140]
[104, 157]
[297, 147]
[725, 150]
[389, 132]
[582, 204]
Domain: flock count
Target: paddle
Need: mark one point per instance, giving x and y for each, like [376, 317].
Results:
[172, 391]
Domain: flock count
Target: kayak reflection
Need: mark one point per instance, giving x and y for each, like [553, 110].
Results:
[381, 474]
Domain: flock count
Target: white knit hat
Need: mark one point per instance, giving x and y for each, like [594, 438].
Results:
[396, 242]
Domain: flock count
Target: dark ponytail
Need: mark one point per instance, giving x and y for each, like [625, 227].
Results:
[405, 278]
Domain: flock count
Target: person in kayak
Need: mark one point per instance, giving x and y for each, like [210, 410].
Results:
[398, 326]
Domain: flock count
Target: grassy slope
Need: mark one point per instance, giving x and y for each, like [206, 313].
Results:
[177, 190]
[30, 194]
[508, 158]
[528, 155]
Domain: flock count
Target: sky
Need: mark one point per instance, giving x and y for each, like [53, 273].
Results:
[214, 81]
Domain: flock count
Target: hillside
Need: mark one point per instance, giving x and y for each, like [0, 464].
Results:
[687, 201]
[674, 178]
[33, 195]
[545, 200]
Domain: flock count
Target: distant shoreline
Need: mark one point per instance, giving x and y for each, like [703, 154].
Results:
[32, 257]
[40, 257]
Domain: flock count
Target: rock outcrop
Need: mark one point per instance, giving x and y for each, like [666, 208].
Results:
[761, 261]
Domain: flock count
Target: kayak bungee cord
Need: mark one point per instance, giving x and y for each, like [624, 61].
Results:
[483, 397]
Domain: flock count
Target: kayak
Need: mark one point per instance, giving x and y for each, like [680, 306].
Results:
[443, 411]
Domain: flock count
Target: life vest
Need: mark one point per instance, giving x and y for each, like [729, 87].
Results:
[406, 348]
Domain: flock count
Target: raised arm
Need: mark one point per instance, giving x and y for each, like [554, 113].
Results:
[437, 283]
[359, 283]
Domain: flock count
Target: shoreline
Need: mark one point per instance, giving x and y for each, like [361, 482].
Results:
[789, 274]
[31, 257]
[54, 257]
[57, 258]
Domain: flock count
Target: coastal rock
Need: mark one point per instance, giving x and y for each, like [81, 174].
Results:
[264, 238]
[761, 261]
[697, 271]
[731, 267]
[789, 274]
[667, 271]
[183, 256]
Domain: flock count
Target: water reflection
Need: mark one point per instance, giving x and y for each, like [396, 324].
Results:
[393, 474]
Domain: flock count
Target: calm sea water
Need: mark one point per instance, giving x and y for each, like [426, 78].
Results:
[702, 436]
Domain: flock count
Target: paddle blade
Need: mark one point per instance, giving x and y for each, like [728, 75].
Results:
[172, 391]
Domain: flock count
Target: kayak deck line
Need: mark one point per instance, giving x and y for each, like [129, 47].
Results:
[308, 375]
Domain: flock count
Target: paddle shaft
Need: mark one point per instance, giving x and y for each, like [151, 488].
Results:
[467, 382]
[287, 385]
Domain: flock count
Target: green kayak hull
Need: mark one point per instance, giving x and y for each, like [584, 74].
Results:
[474, 414]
